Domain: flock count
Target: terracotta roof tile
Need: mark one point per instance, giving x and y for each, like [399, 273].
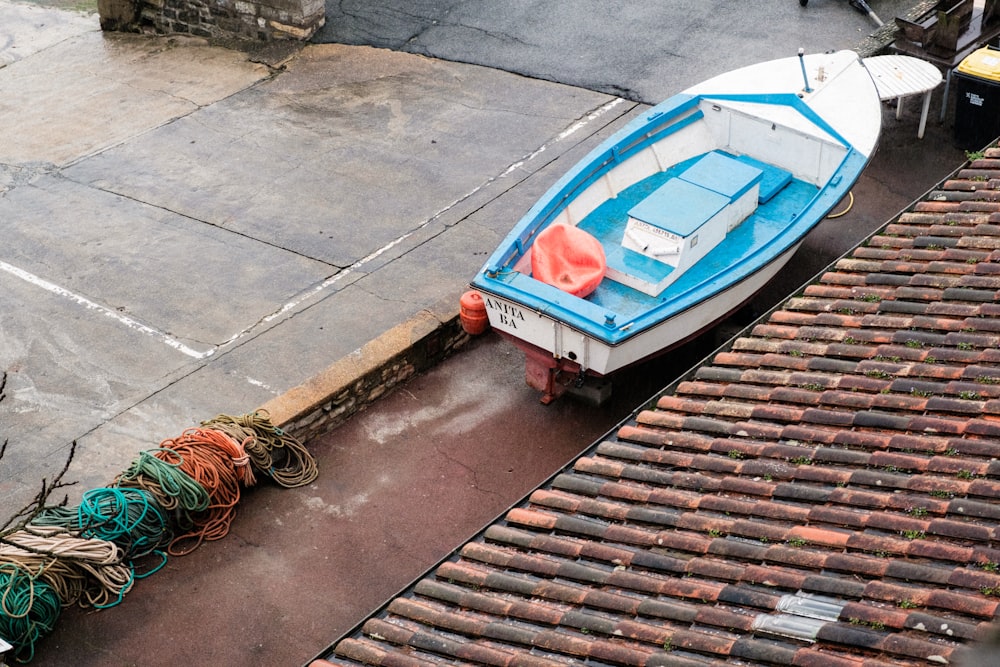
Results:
[821, 493]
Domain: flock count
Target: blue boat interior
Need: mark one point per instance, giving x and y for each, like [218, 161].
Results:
[781, 198]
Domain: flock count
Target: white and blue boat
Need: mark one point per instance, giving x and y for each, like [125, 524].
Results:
[694, 206]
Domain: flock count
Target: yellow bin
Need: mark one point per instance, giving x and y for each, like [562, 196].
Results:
[977, 109]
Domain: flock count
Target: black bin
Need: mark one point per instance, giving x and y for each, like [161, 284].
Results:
[977, 110]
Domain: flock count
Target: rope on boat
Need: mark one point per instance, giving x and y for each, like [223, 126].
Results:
[176, 496]
[850, 205]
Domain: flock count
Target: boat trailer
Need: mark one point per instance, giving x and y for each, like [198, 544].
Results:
[859, 5]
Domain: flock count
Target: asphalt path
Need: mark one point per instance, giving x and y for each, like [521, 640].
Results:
[642, 50]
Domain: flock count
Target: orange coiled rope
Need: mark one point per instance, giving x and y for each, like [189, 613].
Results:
[218, 463]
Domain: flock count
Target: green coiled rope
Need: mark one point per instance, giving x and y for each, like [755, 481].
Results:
[173, 489]
[29, 609]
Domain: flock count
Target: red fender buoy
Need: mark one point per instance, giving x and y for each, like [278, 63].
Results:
[472, 313]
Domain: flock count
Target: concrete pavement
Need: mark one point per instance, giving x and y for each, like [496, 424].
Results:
[191, 230]
[195, 235]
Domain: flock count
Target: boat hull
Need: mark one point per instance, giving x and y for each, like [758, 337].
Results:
[725, 179]
[557, 355]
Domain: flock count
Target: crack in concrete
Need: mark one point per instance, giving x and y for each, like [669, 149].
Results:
[15, 175]
[469, 469]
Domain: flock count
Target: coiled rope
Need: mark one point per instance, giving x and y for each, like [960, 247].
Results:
[272, 451]
[174, 490]
[207, 458]
[130, 518]
[86, 554]
[84, 571]
[30, 609]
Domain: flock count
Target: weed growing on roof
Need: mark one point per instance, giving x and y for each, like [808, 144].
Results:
[668, 645]
[921, 393]
[796, 542]
[990, 590]
[736, 454]
[965, 346]
[913, 343]
[812, 386]
[878, 374]
[850, 340]
[978, 177]
[715, 532]
[800, 460]
[871, 298]
[969, 395]
[906, 603]
[972, 156]
[987, 379]
[990, 566]
[917, 511]
[941, 493]
[930, 360]
[966, 474]
[795, 353]
[951, 451]
[914, 534]
[972, 260]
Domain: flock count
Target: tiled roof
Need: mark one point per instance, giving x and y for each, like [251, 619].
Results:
[824, 492]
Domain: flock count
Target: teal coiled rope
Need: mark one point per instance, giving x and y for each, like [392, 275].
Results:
[29, 609]
[128, 517]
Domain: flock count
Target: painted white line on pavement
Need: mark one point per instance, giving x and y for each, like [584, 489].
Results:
[575, 127]
[90, 305]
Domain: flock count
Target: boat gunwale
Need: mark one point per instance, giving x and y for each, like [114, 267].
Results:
[669, 116]
[613, 335]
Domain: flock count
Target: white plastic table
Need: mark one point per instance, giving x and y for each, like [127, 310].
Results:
[897, 77]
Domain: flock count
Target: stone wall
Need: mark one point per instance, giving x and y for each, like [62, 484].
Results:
[358, 380]
[251, 20]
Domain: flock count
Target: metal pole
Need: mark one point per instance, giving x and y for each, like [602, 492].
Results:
[863, 7]
[802, 63]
